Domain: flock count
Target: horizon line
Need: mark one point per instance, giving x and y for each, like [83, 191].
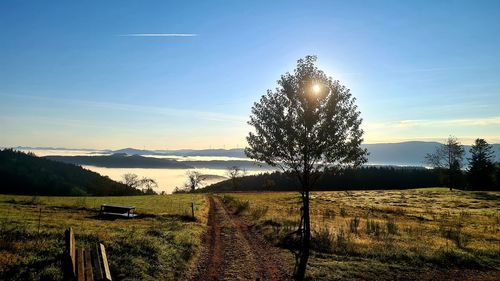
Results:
[176, 149]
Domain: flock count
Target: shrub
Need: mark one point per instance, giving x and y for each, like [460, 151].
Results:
[453, 231]
[238, 205]
[354, 224]
[373, 228]
[241, 206]
[450, 257]
[342, 244]
[343, 212]
[322, 240]
[392, 228]
[258, 213]
[328, 214]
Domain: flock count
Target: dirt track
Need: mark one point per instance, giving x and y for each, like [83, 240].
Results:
[231, 251]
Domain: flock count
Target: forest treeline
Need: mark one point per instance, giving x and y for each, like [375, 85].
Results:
[381, 177]
[25, 173]
[368, 177]
[482, 172]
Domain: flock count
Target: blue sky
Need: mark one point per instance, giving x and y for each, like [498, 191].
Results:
[71, 75]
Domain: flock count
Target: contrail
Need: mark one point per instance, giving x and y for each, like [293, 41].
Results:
[160, 35]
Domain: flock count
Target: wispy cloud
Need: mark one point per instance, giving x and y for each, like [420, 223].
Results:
[437, 69]
[159, 35]
[158, 110]
[488, 121]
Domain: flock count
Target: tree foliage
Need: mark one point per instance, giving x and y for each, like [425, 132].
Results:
[145, 184]
[308, 123]
[195, 180]
[298, 129]
[234, 173]
[481, 173]
[448, 160]
[351, 178]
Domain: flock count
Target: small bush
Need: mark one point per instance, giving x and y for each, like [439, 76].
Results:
[241, 206]
[259, 213]
[342, 244]
[450, 257]
[373, 228]
[322, 240]
[238, 205]
[453, 231]
[343, 212]
[392, 228]
[354, 224]
[328, 214]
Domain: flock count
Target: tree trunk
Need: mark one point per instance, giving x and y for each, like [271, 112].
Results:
[300, 272]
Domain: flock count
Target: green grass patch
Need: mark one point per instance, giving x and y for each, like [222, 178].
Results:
[160, 244]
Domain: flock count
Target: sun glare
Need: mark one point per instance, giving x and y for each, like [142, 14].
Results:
[316, 88]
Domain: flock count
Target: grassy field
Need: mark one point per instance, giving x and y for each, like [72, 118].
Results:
[161, 244]
[388, 235]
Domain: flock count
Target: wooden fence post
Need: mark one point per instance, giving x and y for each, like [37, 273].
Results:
[70, 258]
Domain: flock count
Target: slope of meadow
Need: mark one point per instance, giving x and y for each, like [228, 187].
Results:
[160, 244]
[385, 235]
[25, 173]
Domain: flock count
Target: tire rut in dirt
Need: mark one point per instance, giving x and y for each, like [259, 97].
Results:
[231, 251]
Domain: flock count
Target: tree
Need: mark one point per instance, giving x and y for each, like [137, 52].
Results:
[194, 180]
[448, 159]
[481, 173]
[307, 124]
[131, 180]
[234, 173]
[148, 185]
[145, 185]
[497, 176]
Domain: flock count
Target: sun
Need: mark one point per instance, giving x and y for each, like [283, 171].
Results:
[316, 88]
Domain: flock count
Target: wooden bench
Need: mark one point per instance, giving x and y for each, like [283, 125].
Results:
[90, 264]
[116, 210]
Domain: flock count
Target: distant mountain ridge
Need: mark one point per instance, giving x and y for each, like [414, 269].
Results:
[121, 160]
[411, 153]
[236, 152]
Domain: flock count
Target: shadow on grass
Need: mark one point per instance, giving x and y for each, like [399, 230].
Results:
[486, 196]
[111, 217]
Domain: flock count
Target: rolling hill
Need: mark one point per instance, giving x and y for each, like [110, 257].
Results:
[24, 173]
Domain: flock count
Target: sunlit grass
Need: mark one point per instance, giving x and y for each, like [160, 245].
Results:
[408, 230]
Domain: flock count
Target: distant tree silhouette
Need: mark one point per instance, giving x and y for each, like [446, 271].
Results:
[194, 180]
[366, 177]
[481, 173]
[148, 185]
[497, 176]
[309, 123]
[447, 159]
[145, 185]
[234, 173]
[131, 180]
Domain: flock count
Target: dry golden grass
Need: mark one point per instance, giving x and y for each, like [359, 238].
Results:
[388, 234]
